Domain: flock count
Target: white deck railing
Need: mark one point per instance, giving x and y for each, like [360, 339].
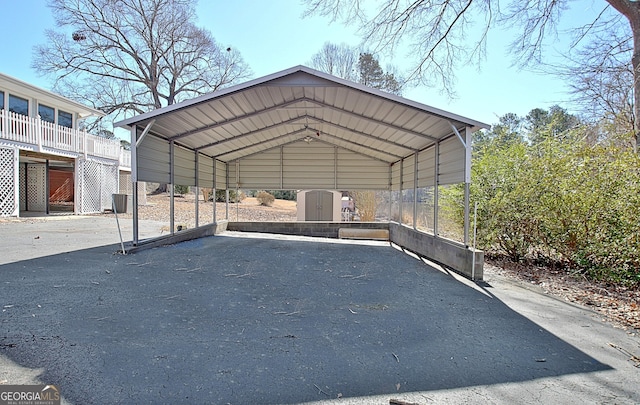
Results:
[34, 131]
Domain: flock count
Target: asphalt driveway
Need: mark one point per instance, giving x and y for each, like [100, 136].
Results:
[259, 319]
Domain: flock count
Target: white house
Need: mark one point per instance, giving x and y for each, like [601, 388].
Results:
[47, 162]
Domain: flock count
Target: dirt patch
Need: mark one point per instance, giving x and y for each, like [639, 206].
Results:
[618, 305]
[157, 209]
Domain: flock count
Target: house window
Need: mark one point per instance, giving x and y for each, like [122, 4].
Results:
[1, 100]
[18, 105]
[46, 113]
[65, 119]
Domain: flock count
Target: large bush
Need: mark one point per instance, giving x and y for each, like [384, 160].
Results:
[562, 202]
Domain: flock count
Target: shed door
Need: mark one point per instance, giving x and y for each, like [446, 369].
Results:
[319, 206]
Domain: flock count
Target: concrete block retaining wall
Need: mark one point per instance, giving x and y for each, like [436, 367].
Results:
[453, 255]
[309, 228]
[459, 258]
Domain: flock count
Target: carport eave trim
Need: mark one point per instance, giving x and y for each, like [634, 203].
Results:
[300, 68]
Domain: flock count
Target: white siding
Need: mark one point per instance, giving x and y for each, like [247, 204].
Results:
[184, 162]
[395, 176]
[311, 166]
[308, 165]
[357, 172]
[153, 160]
[408, 172]
[261, 171]
[451, 159]
[426, 167]
[221, 175]
[205, 171]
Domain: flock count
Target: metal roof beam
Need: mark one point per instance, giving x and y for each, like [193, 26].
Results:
[257, 131]
[458, 134]
[145, 132]
[261, 143]
[352, 149]
[238, 118]
[399, 145]
[382, 152]
[378, 122]
[293, 120]
[316, 140]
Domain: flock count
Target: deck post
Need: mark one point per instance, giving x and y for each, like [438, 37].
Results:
[39, 133]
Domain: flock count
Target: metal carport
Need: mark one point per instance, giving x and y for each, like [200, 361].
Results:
[297, 129]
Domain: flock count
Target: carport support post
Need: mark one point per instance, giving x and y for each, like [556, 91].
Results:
[467, 182]
[134, 181]
[401, 199]
[171, 187]
[415, 190]
[435, 189]
[197, 190]
[215, 213]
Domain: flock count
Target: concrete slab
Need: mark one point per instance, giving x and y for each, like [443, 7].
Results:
[279, 320]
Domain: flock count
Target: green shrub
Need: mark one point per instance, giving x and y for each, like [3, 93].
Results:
[265, 198]
[562, 202]
[180, 190]
[234, 197]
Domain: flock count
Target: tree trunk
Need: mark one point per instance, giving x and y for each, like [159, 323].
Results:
[162, 188]
[631, 10]
[635, 61]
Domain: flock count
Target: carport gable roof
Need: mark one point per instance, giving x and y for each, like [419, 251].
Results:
[302, 104]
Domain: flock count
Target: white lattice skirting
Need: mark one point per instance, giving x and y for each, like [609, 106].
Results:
[9, 181]
[97, 182]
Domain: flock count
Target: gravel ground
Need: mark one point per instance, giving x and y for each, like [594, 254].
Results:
[157, 209]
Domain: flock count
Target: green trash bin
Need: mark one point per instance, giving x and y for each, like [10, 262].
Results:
[119, 203]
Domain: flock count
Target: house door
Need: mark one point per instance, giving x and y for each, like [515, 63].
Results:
[319, 206]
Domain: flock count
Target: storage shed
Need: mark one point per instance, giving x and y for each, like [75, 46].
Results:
[319, 205]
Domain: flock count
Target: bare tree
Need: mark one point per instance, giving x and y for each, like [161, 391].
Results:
[601, 80]
[338, 60]
[132, 56]
[444, 34]
[363, 67]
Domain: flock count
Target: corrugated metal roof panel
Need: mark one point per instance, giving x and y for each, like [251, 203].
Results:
[286, 107]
